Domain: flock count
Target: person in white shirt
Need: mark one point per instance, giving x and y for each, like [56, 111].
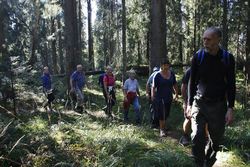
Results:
[131, 96]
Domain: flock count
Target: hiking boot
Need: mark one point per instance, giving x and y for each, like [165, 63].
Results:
[138, 121]
[153, 126]
[104, 108]
[163, 133]
[185, 140]
[210, 162]
[79, 109]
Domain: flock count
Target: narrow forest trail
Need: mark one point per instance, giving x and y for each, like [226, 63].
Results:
[92, 139]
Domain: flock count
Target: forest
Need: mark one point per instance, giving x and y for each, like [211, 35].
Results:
[124, 35]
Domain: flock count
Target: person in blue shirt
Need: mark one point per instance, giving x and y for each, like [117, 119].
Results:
[77, 83]
[47, 88]
[153, 115]
[164, 83]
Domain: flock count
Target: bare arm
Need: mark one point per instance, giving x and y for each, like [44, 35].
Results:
[176, 91]
[184, 92]
[105, 87]
[152, 93]
[71, 84]
[147, 89]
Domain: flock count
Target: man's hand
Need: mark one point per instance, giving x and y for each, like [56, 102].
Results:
[72, 90]
[229, 116]
[152, 98]
[184, 106]
[125, 99]
[176, 97]
[188, 111]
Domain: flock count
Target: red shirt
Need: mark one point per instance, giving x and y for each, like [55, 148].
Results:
[109, 80]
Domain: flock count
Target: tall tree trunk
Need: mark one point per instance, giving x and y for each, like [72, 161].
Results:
[238, 40]
[71, 37]
[2, 25]
[6, 63]
[80, 27]
[60, 47]
[90, 36]
[53, 46]
[248, 43]
[124, 55]
[158, 32]
[139, 58]
[225, 25]
[180, 36]
[111, 32]
[148, 45]
[118, 45]
[34, 33]
[195, 30]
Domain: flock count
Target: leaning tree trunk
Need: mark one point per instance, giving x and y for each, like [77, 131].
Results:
[90, 37]
[158, 32]
[225, 25]
[124, 56]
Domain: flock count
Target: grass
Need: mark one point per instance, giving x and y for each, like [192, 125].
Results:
[92, 139]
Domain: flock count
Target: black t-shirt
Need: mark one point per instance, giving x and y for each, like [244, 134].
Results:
[212, 78]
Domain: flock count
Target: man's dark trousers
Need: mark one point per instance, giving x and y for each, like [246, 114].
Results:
[213, 113]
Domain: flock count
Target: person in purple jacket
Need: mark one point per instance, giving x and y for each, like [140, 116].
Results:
[47, 88]
[77, 83]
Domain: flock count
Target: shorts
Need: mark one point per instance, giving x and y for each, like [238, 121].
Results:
[162, 108]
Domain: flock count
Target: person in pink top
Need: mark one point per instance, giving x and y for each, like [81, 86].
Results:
[109, 86]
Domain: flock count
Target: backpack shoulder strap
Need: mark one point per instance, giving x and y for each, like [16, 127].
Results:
[201, 54]
[225, 57]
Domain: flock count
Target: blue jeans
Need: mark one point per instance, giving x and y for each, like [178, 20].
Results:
[136, 106]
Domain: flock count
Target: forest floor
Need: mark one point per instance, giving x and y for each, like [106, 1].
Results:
[93, 139]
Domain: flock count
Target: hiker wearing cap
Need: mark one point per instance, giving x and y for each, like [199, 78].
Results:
[47, 88]
[77, 83]
[211, 96]
[131, 96]
[164, 83]
[153, 115]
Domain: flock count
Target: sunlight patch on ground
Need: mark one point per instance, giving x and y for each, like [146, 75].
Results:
[225, 159]
[94, 92]
[98, 114]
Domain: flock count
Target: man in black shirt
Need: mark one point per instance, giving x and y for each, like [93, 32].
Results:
[211, 96]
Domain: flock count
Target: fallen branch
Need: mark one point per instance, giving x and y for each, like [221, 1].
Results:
[5, 129]
[17, 163]
[18, 141]
[7, 112]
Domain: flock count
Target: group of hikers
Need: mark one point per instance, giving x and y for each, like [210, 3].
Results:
[208, 92]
